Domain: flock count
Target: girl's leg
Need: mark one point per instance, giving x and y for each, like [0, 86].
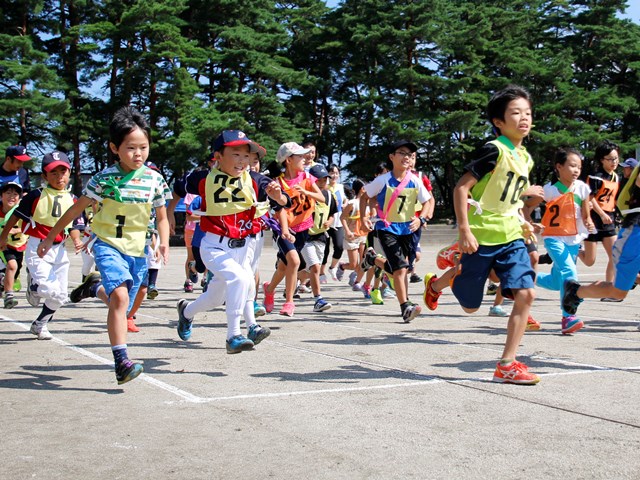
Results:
[589, 255]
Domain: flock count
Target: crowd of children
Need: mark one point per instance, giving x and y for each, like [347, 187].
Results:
[121, 224]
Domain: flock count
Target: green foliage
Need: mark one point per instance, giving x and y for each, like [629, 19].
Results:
[353, 78]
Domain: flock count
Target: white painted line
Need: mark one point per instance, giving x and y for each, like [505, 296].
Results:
[151, 380]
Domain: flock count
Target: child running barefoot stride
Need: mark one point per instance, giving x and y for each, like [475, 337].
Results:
[566, 222]
[491, 235]
[127, 190]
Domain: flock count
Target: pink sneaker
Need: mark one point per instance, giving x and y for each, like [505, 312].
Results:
[269, 298]
[287, 309]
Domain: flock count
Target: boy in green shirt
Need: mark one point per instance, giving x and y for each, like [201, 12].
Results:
[487, 201]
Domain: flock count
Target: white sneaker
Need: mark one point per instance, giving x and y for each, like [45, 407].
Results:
[302, 288]
[323, 279]
[333, 272]
[41, 332]
[356, 287]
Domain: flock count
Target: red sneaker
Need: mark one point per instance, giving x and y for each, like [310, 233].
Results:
[131, 325]
[447, 256]
[269, 298]
[287, 309]
[515, 372]
[532, 325]
[430, 296]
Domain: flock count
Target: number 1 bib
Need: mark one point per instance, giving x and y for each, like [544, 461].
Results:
[123, 225]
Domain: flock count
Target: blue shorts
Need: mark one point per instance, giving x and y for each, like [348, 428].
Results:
[509, 261]
[626, 257]
[117, 268]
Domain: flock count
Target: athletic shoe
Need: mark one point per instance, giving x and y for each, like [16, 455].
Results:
[366, 290]
[321, 305]
[356, 287]
[188, 286]
[42, 332]
[258, 310]
[515, 372]
[376, 297]
[323, 279]
[571, 324]
[411, 312]
[339, 272]
[430, 296]
[238, 344]
[532, 325]
[414, 278]
[388, 281]
[10, 301]
[32, 292]
[287, 309]
[302, 288]
[334, 272]
[388, 293]
[611, 300]
[83, 290]
[127, 371]
[257, 333]
[545, 259]
[296, 295]
[17, 285]
[269, 298]
[368, 259]
[152, 292]
[131, 325]
[193, 275]
[497, 311]
[570, 299]
[492, 289]
[447, 256]
[184, 323]
[352, 278]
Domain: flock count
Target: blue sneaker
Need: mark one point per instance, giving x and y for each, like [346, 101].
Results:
[152, 292]
[257, 334]
[127, 371]
[259, 310]
[238, 344]
[184, 324]
[321, 305]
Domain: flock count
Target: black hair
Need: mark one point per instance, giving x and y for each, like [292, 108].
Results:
[308, 143]
[602, 150]
[348, 192]
[331, 166]
[356, 186]
[381, 167]
[274, 169]
[126, 120]
[560, 158]
[497, 106]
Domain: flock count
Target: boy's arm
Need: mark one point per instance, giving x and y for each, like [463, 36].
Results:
[314, 193]
[467, 241]
[344, 216]
[162, 223]
[74, 211]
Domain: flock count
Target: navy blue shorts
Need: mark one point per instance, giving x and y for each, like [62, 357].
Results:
[509, 261]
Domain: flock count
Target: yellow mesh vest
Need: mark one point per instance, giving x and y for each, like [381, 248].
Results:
[226, 195]
[123, 225]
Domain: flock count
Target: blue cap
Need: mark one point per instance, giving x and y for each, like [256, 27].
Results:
[233, 138]
[18, 152]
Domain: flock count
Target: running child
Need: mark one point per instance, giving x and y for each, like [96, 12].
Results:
[294, 221]
[233, 200]
[491, 236]
[396, 194]
[127, 191]
[355, 239]
[313, 251]
[40, 210]
[13, 256]
[566, 222]
[626, 254]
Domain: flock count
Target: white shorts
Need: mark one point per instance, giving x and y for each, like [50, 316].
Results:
[355, 243]
[313, 253]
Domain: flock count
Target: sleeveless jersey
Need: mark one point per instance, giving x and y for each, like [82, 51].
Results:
[18, 240]
[606, 194]
[559, 219]
[320, 215]
[302, 206]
